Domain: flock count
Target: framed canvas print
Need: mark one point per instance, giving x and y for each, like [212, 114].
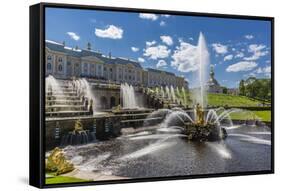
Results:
[128, 95]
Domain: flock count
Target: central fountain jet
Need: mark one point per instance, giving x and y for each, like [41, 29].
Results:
[201, 129]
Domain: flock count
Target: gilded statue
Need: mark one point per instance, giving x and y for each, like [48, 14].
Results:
[78, 126]
[57, 162]
[199, 114]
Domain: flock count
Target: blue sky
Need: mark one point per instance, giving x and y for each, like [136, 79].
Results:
[238, 48]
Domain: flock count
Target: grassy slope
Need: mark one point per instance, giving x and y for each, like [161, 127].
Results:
[230, 100]
[263, 115]
[237, 101]
[63, 179]
[226, 99]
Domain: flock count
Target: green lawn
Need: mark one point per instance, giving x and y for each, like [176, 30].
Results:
[231, 100]
[225, 99]
[263, 115]
[63, 179]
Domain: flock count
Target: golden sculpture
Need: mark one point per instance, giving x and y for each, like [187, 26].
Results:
[199, 114]
[56, 162]
[117, 108]
[78, 126]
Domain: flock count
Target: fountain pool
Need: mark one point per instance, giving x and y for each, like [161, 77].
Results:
[152, 152]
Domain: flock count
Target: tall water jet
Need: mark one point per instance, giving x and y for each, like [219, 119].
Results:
[178, 91]
[162, 92]
[87, 89]
[157, 91]
[203, 62]
[173, 95]
[184, 96]
[168, 92]
[52, 85]
[85, 92]
[128, 96]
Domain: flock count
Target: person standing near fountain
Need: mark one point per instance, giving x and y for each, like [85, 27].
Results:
[86, 103]
[91, 109]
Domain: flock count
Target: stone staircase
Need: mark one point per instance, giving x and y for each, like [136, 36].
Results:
[64, 101]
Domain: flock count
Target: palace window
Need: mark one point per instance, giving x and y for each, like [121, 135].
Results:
[68, 63]
[60, 59]
[60, 67]
[49, 57]
[49, 66]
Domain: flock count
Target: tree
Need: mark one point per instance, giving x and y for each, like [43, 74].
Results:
[224, 90]
[242, 88]
[256, 88]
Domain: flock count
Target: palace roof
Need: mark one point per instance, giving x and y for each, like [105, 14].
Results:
[76, 52]
[160, 71]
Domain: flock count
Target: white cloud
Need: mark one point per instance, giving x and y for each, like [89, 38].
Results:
[185, 57]
[167, 16]
[167, 40]
[266, 71]
[249, 36]
[155, 52]
[219, 48]
[150, 43]
[161, 63]
[190, 38]
[257, 51]
[239, 55]
[162, 23]
[73, 35]
[256, 47]
[228, 57]
[134, 49]
[241, 66]
[140, 59]
[148, 16]
[111, 31]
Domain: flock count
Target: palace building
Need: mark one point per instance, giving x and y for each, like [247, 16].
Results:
[66, 62]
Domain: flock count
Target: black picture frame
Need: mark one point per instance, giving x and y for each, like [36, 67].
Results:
[37, 93]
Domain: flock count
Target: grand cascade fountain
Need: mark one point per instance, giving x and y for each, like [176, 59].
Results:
[144, 125]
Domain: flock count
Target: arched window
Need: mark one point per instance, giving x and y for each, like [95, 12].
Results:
[60, 67]
[60, 59]
[49, 57]
[49, 66]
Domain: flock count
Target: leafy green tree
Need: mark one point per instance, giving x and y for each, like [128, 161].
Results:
[242, 88]
[256, 88]
[224, 90]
